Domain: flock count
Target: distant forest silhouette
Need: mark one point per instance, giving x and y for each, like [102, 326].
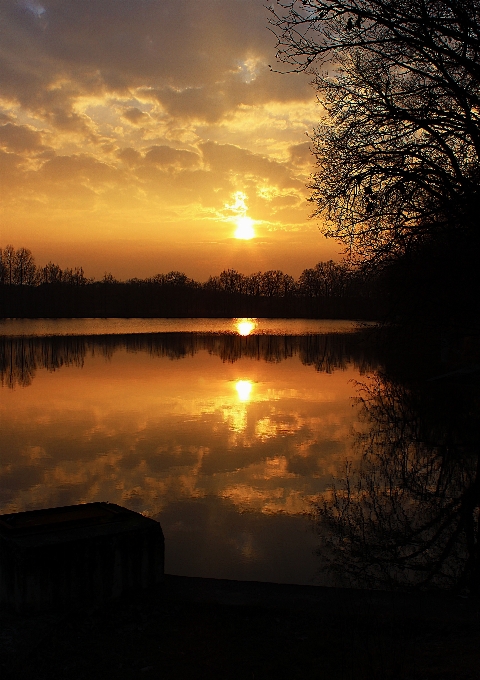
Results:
[20, 358]
[327, 290]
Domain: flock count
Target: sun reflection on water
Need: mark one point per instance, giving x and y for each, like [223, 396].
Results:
[245, 326]
[145, 430]
[244, 389]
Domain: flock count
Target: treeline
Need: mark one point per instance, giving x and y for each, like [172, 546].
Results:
[328, 290]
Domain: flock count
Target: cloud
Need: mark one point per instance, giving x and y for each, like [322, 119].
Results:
[129, 155]
[231, 158]
[168, 156]
[134, 115]
[301, 154]
[78, 167]
[211, 102]
[6, 118]
[199, 59]
[146, 111]
[20, 138]
[9, 169]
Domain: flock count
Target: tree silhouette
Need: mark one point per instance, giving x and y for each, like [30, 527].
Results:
[51, 291]
[275, 283]
[326, 279]
[25, 268]
[50, 273]
[398, 152]
[8, 264]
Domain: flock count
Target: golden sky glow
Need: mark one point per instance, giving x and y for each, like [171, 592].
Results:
[144, 136]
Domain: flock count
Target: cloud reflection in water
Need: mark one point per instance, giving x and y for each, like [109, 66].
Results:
[155, 426]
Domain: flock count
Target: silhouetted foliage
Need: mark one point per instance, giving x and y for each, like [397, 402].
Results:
[332, 291]
[398, 149]
[401, 141]
[17, 267]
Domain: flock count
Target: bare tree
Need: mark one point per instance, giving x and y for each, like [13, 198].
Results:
[50, 273]
[326, 279]
[74, 277]
[274, 283]
[24, 267]
[253, 284]
[8, 264]
[231, 281]
[398, 151]
[109, 279]
[17, 266]
[175, 278]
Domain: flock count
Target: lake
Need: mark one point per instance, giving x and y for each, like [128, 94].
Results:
[226, 431]
[294, 451]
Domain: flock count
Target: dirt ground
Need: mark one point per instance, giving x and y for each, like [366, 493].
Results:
[204, 628]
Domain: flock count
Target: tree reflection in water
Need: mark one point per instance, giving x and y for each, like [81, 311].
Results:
[21, 357]
[408, 515]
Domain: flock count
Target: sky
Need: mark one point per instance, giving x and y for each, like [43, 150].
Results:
[143, 136]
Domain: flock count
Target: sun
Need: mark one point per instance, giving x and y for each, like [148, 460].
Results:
[244, 228]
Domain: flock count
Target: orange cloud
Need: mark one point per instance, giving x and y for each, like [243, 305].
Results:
[139, 121]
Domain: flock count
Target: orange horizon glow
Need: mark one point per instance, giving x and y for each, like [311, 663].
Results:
[178, 149]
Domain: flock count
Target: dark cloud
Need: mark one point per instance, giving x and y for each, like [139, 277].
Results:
[129, 155]
[228, 157]
[207, 104]
[301, 154]
[211, 102]
[9, 165]
[77, 167]
[20, 138]
[167, 156]
[199, 59]
[134, 115]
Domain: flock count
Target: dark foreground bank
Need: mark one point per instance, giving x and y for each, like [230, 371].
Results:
[207, 628]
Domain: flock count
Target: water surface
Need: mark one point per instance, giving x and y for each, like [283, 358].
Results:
[50, 327]
[225, 438]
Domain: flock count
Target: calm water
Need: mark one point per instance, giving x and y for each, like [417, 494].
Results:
[226, 433]
[254, 442]
[55, 327]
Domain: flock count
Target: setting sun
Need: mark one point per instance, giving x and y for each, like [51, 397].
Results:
[153, 167]
[244, 228]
